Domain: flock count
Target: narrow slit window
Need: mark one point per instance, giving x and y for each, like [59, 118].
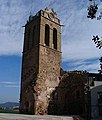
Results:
[47, 32]
[54, 38]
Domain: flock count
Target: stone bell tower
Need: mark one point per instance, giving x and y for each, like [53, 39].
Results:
[41, 61]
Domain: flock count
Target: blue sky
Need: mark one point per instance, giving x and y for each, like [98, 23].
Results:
[78, 51]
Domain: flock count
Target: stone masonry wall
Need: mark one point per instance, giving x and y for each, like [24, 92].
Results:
[48, 78]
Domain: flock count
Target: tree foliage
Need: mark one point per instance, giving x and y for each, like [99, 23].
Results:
[93, 9]
[92, 14]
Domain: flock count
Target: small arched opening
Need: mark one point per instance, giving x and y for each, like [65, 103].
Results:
[55, 38]
[47, 34]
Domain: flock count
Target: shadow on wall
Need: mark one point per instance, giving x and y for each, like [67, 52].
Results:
[69, 97]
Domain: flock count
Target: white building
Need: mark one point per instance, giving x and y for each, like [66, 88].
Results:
[96, 100]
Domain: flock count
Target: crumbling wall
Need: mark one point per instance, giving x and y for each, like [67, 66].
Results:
[69, 97]
[48, 78]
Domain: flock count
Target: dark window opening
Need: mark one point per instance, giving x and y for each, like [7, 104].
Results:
[54, 38]
[47, 31]
[91, 81]
[33, 36]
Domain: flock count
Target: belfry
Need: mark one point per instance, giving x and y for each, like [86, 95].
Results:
[41, 61]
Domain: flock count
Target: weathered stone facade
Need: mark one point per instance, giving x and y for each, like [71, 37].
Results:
[69, 97]
[45, 87]
[41, 61]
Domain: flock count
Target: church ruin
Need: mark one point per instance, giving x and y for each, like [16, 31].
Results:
[41, 61]
[45, 87]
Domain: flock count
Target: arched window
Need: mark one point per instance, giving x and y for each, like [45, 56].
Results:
[33, 36]
[54, 38]
[47, 34]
